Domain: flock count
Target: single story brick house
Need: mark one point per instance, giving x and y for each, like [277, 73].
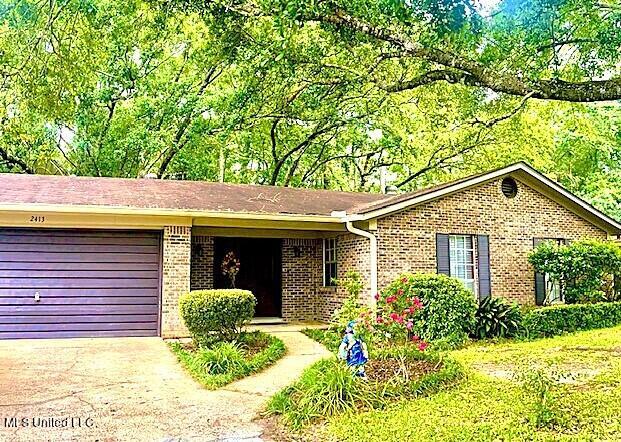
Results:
[110, 257]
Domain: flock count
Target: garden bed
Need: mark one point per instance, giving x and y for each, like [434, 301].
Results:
[225, 362]
[329, 388]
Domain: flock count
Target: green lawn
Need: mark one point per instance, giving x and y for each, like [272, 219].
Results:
[492, 405]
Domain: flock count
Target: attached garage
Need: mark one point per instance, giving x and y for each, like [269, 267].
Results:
[79, 283]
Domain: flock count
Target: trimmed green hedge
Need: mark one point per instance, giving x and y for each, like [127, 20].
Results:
[216, 315]
[556, 320]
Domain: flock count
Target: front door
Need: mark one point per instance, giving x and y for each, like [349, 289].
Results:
[259, 270]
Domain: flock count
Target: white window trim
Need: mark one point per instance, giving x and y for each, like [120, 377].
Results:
[323, 256]
[475, 269]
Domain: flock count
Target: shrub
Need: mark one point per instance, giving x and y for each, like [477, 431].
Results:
[351, 308]
[496, 318]
[559, 319]
[448, 308]
[216, 315]
[584, 269]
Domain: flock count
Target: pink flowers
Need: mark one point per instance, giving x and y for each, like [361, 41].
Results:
[377, 296]
[396, 317]
[420, 344]
[416, 303]
[409, 325]
[391, 299]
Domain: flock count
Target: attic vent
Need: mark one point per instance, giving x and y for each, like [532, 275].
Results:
[509, 187]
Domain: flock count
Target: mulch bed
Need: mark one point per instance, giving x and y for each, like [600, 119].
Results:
[386, 369]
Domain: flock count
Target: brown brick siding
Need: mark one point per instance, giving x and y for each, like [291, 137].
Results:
[352, 254]
[407, 241]
[301, 276]
[175, 278]
[202, 263]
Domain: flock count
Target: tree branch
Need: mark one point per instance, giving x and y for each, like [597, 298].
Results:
[509, 83]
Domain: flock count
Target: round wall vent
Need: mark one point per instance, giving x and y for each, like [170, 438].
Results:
[509, 187]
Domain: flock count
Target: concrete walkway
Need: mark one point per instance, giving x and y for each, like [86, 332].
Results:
[126, 389]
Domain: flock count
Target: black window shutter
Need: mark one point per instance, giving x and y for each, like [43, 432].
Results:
[485, 282]
[540, 283]
[442, 254]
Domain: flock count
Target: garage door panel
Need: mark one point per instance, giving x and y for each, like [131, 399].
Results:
[81, 233]
[44, 273]
[75, 334]
[93, 300]
[80, 248]
[41, 284]
[77, 292]
[73, 266]
[52, 309]
[78, 257]
[63, 319]
[90, 283]
[79, 240]
[78, 326]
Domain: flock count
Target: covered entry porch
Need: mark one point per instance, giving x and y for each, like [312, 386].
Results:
[283, 269]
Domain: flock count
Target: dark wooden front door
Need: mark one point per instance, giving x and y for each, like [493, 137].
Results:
[259, 271]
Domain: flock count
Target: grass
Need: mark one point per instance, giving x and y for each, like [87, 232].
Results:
[491, 405]
[226, 362]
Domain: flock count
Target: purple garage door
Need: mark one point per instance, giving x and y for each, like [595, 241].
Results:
[88, 283]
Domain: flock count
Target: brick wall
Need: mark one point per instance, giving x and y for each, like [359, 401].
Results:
[201, 276]
[175, 278]
[301, 277]
[407, 240]
[352, 254]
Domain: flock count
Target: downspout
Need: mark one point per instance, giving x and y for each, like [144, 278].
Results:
[372, 252]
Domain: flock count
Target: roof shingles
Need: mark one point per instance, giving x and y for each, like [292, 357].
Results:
[176, 195]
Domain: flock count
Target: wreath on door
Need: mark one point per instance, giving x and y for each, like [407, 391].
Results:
[230, 267]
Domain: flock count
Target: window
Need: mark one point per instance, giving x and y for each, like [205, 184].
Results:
[462, 264]
[329, 262]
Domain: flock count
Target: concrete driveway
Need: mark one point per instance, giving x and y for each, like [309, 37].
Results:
[124, 389]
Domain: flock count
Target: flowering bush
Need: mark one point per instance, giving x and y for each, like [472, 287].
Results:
[230, 267]
[426, 307]
[398, 316]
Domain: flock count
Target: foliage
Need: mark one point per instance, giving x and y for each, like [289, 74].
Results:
[496, 318]
[487, 406]
[540, 386]
[255, 92]
[446, 309]
[325, 389]
[216, 315]
[330, 338]
[581, 267]
[225, 362]
[559, 319]
[352, 308]
[328, 388]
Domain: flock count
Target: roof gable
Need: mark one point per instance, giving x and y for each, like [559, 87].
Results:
[522, 171]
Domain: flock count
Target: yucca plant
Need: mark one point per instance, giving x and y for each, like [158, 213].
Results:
[497, 318]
